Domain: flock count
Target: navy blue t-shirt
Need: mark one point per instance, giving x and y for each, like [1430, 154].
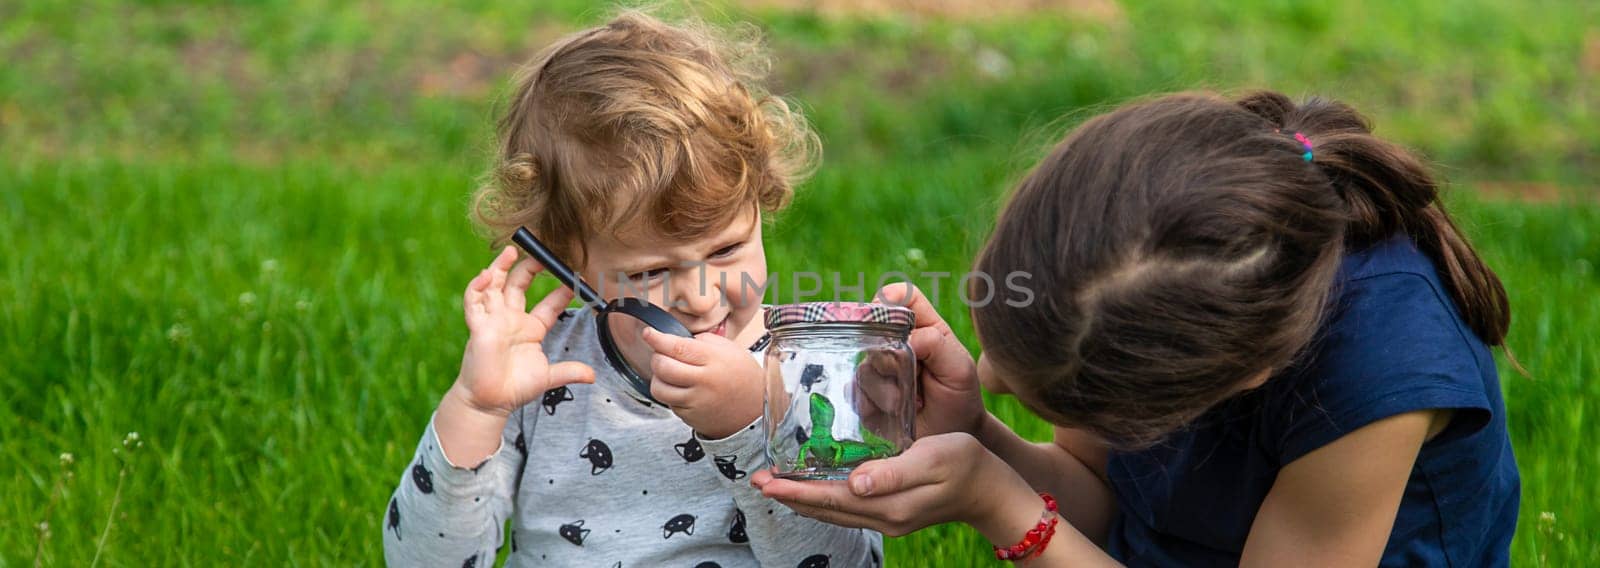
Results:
[1393, 343]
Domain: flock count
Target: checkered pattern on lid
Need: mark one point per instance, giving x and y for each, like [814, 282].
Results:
[841, 312]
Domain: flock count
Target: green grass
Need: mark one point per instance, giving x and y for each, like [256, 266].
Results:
[239, 228]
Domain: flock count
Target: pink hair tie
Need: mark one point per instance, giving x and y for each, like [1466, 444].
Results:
[1301, 138]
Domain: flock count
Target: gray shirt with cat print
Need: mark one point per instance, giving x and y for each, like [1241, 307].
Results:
[592, 475]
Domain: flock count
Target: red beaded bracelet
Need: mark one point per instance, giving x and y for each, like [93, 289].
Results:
[1037, 538]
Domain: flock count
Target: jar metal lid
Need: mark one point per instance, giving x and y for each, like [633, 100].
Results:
[839, 312]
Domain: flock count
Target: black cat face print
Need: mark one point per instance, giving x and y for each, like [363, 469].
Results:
[554, 397]
[680, 524]
[736, 533]
[394, 517]
[574, 532]
[599, 456]
[729, 469]
[690, 451]
[422, 477]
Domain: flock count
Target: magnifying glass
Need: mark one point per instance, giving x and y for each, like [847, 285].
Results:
[619, 323]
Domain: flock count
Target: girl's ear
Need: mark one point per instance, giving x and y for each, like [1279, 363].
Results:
[990, 379]
[1255, 381]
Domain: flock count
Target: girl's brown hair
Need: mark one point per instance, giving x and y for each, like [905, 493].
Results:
[640, 119]
[1184, 245]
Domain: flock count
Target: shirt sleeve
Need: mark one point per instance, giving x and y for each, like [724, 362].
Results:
[778, 536]
[443, 514]
[1393, 345]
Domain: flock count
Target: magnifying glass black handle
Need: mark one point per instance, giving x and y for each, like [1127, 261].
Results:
[528, 242]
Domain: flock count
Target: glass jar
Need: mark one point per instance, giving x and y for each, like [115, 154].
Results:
[841, 387]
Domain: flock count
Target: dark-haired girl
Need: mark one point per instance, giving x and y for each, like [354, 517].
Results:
[1261, 340]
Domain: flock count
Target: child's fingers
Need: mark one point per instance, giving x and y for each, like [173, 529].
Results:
[479, 282]
[549, 309]
[522, 274]
[832, 502]
[713, 342]
[674, 396]
[878, 393]
[664, 369]
[885, 363]
[472, 298]
[832, 516]
[941, 355]
[897, 293]
[926, 342]
[924, 463]
[907, 295]
[679, 348]
[498, 270]
[569, 372]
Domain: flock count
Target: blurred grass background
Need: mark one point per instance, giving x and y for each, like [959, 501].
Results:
[238, 228]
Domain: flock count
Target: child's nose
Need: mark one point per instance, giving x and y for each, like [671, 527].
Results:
[698, 298]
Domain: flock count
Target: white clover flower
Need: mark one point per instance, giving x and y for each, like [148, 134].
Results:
[66, 459]
[302, 305]
[991, 63]
[247, 300]
[178, 333]
[914, 258]
[269, 266]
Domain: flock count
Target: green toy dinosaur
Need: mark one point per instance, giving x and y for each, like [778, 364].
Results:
[821, 450]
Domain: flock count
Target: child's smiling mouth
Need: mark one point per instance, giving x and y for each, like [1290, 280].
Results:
[720, 329]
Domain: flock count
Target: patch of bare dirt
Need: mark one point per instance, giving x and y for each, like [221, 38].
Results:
[1532, 192]
[477, 72]
[1590, 62]
[466, 74]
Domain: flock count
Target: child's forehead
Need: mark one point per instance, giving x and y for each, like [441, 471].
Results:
[638, 238]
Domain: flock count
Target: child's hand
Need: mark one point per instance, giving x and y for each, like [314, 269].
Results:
[950, 399]
[504, 366]
[710, 382]
[942, 478]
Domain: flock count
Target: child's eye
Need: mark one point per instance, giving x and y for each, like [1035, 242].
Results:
[724, 252]
[647, 275]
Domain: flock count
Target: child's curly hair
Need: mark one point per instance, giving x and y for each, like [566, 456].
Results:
[639, 117]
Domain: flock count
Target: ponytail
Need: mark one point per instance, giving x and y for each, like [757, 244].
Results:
[1388, 189]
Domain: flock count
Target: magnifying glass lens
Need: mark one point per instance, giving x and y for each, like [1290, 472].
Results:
[628, 334]
[621, 330]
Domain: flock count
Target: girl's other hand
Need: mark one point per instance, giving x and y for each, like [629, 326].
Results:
[949, 398]
[942, 478]
[504, 366]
